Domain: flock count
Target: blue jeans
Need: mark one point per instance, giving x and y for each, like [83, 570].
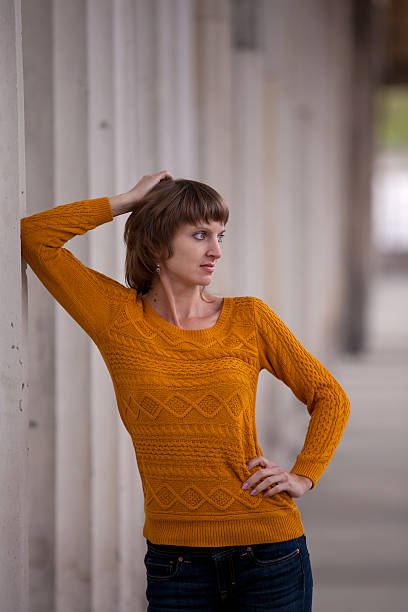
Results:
[257, 577]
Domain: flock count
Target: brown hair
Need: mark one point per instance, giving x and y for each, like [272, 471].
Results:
[153, 224]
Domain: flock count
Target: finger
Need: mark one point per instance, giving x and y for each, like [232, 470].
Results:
[271, 481]
[260, 460]
[262, 473]
[278, 488]
[164, 175]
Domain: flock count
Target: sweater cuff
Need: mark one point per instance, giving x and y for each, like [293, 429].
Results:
[311, 469]
[102, 208]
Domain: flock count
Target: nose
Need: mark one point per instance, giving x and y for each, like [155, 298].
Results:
[214, 250]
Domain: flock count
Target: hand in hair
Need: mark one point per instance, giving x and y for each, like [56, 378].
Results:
[126, 202]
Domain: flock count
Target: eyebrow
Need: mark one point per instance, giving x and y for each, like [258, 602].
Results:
[206, 228]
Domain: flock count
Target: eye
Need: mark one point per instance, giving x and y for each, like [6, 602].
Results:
[220, 237]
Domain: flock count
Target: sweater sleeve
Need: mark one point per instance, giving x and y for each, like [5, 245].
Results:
[281, 353]
[91, 298]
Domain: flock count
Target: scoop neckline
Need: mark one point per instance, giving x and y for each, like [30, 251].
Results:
[157, 320]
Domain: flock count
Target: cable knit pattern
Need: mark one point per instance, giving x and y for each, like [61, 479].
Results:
[187, 397]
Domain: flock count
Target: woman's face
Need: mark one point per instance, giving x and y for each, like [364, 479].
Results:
[194, 246]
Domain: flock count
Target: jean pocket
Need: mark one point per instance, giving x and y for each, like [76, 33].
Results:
[272, 554]
[162, 567]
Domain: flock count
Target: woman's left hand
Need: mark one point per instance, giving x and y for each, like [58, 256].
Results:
[273, 474]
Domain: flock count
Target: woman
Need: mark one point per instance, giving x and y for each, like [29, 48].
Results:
[221, 527]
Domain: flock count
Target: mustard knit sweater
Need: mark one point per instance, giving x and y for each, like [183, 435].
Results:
[187, 397]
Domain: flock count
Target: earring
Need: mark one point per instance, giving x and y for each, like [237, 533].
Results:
[158, 268]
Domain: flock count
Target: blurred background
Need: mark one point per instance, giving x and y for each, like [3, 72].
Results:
[296, 111]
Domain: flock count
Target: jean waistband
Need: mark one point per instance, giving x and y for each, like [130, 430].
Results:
[210, 551]
[196, 551]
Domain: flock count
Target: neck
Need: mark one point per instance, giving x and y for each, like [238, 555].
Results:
[176, 306]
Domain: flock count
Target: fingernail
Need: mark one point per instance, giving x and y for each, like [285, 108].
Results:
[253, 492]
[245, 485]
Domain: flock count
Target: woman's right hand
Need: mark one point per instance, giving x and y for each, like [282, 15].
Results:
[126, 202]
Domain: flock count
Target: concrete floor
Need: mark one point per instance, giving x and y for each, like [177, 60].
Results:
[356, 519]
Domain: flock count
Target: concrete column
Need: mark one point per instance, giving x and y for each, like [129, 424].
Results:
[73, 382]
[13, 322]
[247, 163]
[214, 82]
[318, 88]
[279, 233]
[146, 100]
[367, 43]
[332, 61]
[37, 48]
[127, 92]
[248, 233]
[104, 414]
[309, 78]
[176, 87]
[307, 66]
[185, 81]
[320, 91]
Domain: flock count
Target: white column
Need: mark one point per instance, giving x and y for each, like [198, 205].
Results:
[73, 382]
[250, 268]
[13, 322]
[127, 93]
[321, 95]
[214, 101]
[247, 150]
[176, 87]
[308, 76]
[146, 102]
[307, 63]
[247, 163]
[37, 48]
[104, 414]
[339, 139]
[184, 120]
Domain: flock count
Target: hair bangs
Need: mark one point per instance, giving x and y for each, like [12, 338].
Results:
[201, 203]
